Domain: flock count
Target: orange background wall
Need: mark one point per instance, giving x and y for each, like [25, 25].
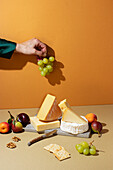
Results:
[81, 35]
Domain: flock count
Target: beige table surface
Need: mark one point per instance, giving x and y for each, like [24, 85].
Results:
[34, 157]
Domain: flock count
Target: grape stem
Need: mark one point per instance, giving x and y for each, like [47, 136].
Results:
[91, 143]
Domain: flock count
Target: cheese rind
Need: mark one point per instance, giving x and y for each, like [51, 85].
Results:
[41, 126]
[70, 116]
[74, 128]
[49, 110]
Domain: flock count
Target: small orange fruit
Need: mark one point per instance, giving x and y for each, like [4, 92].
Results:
[4, 127]
[91, 117]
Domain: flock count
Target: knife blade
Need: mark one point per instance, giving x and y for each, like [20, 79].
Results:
[42, 137]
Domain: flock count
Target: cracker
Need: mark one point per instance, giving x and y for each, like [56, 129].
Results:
[62, 154]
[48, 147]
[53, 148]
[59, 151]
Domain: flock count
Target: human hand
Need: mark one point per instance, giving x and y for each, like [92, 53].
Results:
[32, 47]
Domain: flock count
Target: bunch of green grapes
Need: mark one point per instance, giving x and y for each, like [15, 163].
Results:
[46, 65]
[85, 148]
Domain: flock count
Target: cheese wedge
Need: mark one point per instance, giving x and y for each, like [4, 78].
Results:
[49, 110]
[64, 105]
[41, 126]
[73, 123]
[70, 116]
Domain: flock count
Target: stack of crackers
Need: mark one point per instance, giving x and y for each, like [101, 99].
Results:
[59, 151]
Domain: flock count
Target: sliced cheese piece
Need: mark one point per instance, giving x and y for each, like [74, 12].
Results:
[41, 126]
[70, 116]
[64, 105]
[49, 110]
[74, 128]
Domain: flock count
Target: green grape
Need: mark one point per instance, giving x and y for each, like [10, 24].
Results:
[51, 59]
[84, 144]
[86, 151]
[50, 68]
[80, 149]
[76, 146]
[40, 68]
[93, 147]
[40, 62]
[92, 151]
[43, 73]
[45, 61]
[50, 63]
[48, 73]
[45, 70]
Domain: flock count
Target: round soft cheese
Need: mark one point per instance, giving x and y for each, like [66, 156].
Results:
[74, 128]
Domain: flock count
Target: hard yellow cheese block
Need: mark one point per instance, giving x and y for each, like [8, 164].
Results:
[40, 126]
[70, 116]
[49, 110]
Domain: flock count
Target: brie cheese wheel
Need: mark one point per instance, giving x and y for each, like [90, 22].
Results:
[74, 128]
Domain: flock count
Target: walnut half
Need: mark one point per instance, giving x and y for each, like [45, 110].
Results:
[16, 139]
[11, 145]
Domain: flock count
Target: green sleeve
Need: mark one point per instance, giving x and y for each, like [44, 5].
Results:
[6, 48]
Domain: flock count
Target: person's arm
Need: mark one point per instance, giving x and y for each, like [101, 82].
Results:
[7, 48]
[30, 47]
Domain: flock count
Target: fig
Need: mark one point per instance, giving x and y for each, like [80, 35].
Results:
[23, 118]
[96, 127]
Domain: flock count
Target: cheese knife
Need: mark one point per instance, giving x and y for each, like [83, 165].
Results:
[46, 135]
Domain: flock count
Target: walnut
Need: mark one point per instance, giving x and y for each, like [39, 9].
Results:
[16, 139]
[11, 145]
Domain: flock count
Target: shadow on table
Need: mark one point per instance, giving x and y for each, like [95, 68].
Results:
[104, 130]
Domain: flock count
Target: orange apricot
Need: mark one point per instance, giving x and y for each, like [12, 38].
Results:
[91, 117]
